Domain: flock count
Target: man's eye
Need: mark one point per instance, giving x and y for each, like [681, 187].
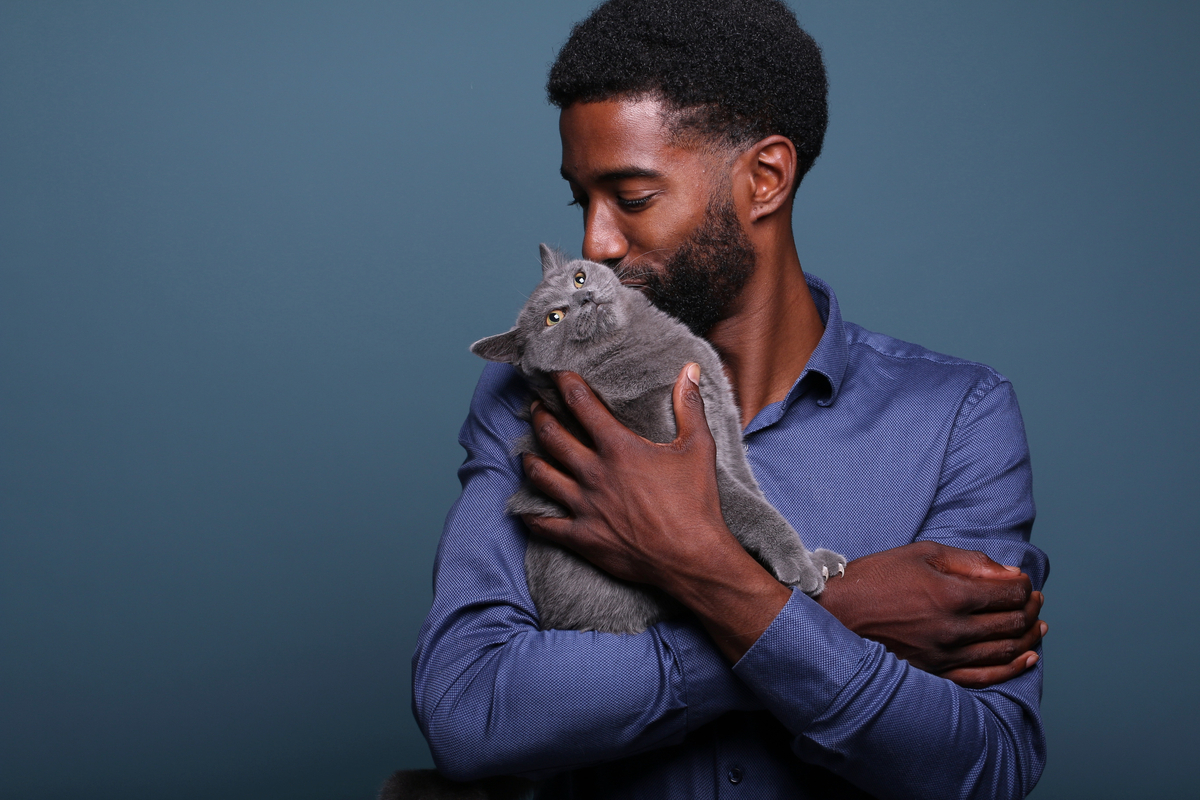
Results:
[634, 203]
[555, 316]
[575, 201]
[580, 277]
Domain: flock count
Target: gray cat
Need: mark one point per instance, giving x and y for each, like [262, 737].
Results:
[581, 318]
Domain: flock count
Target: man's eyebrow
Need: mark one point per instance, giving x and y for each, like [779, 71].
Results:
[618, 174]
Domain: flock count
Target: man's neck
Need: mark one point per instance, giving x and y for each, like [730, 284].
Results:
[768, 340]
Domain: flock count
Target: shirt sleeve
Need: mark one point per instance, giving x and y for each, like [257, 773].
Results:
[870, 717]
[492, 693]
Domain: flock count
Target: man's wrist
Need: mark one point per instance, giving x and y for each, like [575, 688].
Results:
[732, 595]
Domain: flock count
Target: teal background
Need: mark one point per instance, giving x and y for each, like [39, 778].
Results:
[244, 247]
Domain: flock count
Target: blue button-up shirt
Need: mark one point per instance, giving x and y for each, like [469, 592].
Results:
[878, 444]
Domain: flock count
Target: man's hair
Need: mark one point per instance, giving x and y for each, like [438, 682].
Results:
[733, 71]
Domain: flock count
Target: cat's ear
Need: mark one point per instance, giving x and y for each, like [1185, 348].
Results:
[502, 347]
[551, 258]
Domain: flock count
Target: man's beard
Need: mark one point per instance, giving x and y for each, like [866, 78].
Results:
[701, 280]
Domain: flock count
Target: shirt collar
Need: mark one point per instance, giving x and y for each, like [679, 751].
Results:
[826, 366]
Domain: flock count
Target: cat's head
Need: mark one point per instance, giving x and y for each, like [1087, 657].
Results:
[577, 308]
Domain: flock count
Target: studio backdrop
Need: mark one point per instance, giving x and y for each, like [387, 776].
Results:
[245, 245]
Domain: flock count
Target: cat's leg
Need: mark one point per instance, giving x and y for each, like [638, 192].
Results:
[571, 594]
[771, 540]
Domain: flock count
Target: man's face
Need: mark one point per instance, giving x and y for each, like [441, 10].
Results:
[658, 211]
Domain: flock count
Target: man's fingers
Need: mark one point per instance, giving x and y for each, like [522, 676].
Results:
[592, 414]
[557, 441]
[983, 677]
[987, 595]
[551, 481]
[1003, 617]
[973, 595]
[997, 651]
[996, 596]
[552, 528]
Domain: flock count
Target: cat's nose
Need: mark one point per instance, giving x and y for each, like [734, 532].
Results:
[584, 296]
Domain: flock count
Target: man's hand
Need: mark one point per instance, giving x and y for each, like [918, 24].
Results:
[638, 508]
[955, 613]
[651, 513]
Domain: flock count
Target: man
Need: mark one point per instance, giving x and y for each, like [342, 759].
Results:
[686, 129]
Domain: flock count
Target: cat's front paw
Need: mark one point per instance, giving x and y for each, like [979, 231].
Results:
[796, 568]
[830, 564]
[810, 572]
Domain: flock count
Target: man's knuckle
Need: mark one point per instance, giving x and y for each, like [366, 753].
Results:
[956, 597]
[954, 634]
[591, 475]
[575, 395]
[547, 430]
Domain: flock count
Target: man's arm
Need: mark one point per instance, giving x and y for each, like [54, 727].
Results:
[496, 695]
[852, 706]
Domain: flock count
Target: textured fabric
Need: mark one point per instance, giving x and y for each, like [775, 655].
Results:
[879, 443]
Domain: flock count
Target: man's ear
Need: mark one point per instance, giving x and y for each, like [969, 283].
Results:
[772, 170]
[550, 257]
[502, 347]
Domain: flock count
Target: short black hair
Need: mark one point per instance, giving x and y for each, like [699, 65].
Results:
[734, 71]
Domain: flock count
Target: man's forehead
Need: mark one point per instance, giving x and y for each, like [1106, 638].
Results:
[612, 139]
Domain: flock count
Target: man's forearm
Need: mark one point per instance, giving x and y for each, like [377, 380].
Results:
[731, 594]
[886, 726]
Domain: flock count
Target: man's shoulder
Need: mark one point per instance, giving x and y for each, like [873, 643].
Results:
[499, 385]
[918, 367]
[499, 407]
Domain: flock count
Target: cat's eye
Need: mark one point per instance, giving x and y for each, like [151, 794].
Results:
[580, 277]
[555, 316]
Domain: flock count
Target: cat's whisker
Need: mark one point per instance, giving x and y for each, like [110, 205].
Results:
[624, 268]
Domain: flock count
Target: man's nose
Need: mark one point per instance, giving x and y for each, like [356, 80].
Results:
[602, 239]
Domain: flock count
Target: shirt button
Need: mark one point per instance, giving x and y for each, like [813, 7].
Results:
[735, 775]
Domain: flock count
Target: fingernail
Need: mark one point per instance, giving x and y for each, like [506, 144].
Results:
[1033, 659]
[1012, 569]
[535, 405]
[693, 373]
[1045, 627]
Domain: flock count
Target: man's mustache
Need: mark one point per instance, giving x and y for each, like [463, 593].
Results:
[636, 275]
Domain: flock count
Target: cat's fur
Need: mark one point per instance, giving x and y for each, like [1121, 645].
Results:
[630, 353]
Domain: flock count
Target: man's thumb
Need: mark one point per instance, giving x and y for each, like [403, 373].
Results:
[973, 564]
[689, 405]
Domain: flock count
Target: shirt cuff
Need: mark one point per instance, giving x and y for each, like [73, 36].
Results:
[801, 662]
[709, 685]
